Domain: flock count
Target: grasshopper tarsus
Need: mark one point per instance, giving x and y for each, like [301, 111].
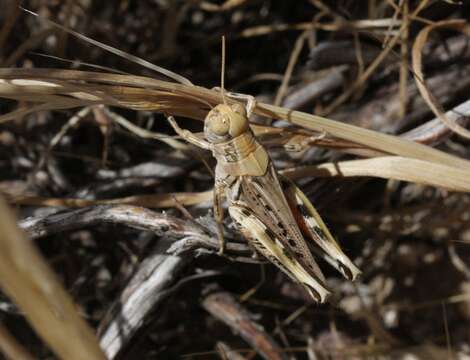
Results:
[250, 100]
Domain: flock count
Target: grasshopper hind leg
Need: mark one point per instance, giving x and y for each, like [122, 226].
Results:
[313, 227]
[265, 242]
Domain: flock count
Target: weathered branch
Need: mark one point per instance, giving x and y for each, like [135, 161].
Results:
[145, 292]
[225, 308]
[132, 216]
[191, 234]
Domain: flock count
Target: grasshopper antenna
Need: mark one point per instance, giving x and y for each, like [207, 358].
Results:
[222, 72]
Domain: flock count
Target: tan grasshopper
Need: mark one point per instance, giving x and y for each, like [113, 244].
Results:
[271, 212]
[268, 209]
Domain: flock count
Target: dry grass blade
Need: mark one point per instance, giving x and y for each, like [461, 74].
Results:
[151, 201]
[358, 25]
[387, 167]
[26, 277]
[390, 167]
[134, 92]
[432, 102]
[142, 93]
[372, 139]
[56, 105]
[11, 348]
[225, 6]
[145, 134]
[404, 61]
[299, 44]
[115, 51]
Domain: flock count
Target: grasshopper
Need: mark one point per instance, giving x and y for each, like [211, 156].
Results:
[271, 212]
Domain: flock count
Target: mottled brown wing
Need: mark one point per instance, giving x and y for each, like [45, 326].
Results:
[265, 197]
[266, 243]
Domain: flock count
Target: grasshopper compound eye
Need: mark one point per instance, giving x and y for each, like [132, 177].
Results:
[217, 123]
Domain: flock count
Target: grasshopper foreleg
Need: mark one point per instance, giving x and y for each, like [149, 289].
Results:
[248, 99]
[188, 135]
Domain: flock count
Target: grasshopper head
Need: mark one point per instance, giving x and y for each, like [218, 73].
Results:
[225, 122]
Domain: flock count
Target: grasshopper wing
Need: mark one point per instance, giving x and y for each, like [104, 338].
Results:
[264, 197]
[265, 241]
[313, 227]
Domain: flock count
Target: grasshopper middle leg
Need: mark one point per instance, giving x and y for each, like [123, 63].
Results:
[219, 214]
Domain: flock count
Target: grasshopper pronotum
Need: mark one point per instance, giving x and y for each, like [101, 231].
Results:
[269, 210]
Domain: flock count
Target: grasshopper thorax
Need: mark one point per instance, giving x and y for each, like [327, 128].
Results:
[225, 122]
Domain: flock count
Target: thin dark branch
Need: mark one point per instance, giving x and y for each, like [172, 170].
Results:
[226, 308]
